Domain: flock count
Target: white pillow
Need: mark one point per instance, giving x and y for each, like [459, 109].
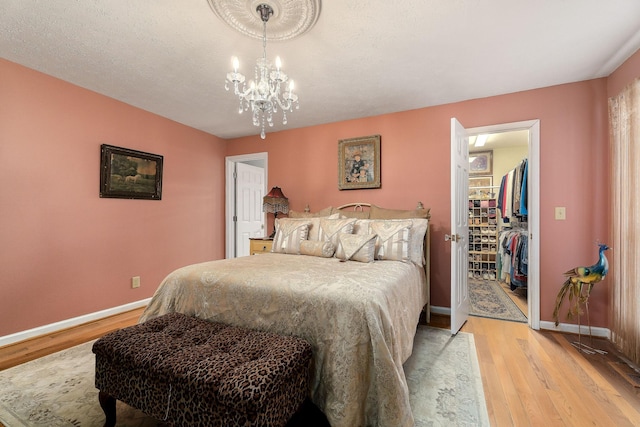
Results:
[356, 247]
[289, 234]
[329, 228]
[314, 225]
[361, 226]
[393, 239]
[416, 240]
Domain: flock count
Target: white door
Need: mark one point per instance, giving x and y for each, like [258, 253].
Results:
[459, 225]
[249, 216]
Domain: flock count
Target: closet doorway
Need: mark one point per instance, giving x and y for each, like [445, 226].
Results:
[503, 259]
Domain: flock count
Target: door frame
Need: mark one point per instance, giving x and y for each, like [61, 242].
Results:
[533, 180]
[230, 194]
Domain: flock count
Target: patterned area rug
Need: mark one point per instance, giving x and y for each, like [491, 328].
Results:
[488, 299]
[444, 380]
[58, 390]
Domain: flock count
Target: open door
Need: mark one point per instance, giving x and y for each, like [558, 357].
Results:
[459, 237]
[250, 220]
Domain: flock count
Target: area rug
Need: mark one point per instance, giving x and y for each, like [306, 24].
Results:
[488, 299]
[445, 386]
[58, 390]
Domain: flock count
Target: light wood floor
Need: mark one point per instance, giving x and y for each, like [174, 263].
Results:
[530, 378]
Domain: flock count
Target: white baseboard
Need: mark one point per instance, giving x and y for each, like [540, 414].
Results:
[441, 310]
[549, 326]
[573, 329]
[64, 324]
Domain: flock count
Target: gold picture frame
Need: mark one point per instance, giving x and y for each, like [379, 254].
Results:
[481, 163]
[480, 187]
[359, 163]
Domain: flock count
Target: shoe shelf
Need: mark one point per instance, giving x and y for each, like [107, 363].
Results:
[483, 238]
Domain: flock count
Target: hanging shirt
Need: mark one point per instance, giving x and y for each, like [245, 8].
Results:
[508, 203]
[524, 192]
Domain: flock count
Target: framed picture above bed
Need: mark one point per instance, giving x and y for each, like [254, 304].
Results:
[130, 174]
[359, 163]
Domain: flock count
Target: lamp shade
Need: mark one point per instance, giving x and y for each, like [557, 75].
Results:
[275, 201]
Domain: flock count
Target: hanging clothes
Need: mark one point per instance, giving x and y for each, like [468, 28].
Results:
[512, 199]
[524, 193]
[514, 260]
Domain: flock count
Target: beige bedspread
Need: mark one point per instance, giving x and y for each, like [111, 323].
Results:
[360, 319]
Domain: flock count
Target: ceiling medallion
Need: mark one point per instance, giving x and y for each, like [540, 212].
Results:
[290, 18]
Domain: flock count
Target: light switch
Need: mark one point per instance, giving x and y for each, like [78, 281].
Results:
[561, 213]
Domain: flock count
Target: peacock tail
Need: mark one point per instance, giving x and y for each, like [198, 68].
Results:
[563, 291]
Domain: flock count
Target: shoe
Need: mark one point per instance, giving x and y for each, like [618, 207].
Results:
[476, 275]
[492, 276]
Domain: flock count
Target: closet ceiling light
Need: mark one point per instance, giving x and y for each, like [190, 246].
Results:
[481, 140]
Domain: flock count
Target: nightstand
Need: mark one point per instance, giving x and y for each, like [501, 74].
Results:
[260, 245]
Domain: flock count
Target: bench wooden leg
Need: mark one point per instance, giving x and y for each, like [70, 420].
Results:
[108, 405]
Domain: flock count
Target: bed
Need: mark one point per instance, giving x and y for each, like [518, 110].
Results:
[360, 317]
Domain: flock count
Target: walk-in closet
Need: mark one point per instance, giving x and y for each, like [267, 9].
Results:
[498, 225]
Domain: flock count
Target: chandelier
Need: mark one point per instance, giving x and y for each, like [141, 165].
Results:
[269, 91]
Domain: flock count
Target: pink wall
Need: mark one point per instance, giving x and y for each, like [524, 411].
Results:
[65, 251]
[416, 166]
[626, 73]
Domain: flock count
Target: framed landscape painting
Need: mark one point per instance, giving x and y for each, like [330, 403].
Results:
[130, 174]
[359, 163]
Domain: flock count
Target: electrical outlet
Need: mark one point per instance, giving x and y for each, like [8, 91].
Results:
[135, 282]
[561, 213]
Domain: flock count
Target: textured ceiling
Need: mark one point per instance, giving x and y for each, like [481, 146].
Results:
[361, 58]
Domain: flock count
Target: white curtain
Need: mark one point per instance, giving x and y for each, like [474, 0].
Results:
[624, 121]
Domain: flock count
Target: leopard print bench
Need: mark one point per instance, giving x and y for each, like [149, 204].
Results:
[190, 372]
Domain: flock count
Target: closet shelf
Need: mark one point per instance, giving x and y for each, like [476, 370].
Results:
[483, 238]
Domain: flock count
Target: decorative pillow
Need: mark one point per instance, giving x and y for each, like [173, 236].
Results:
[329, 228]
[377, 212]
[361, 226]
[289, 234]
[356, 247]
[393, 239]
[416, 240]
[314, 226]
[324, 249]
[320, 213]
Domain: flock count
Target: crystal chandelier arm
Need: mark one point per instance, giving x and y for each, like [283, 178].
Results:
[289, 99]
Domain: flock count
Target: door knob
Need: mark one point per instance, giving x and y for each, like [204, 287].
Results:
[453, 238]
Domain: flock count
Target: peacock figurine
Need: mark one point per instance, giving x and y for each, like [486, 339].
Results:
[579, 283]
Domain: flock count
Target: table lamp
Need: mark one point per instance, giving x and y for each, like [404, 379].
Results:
[275, 201]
